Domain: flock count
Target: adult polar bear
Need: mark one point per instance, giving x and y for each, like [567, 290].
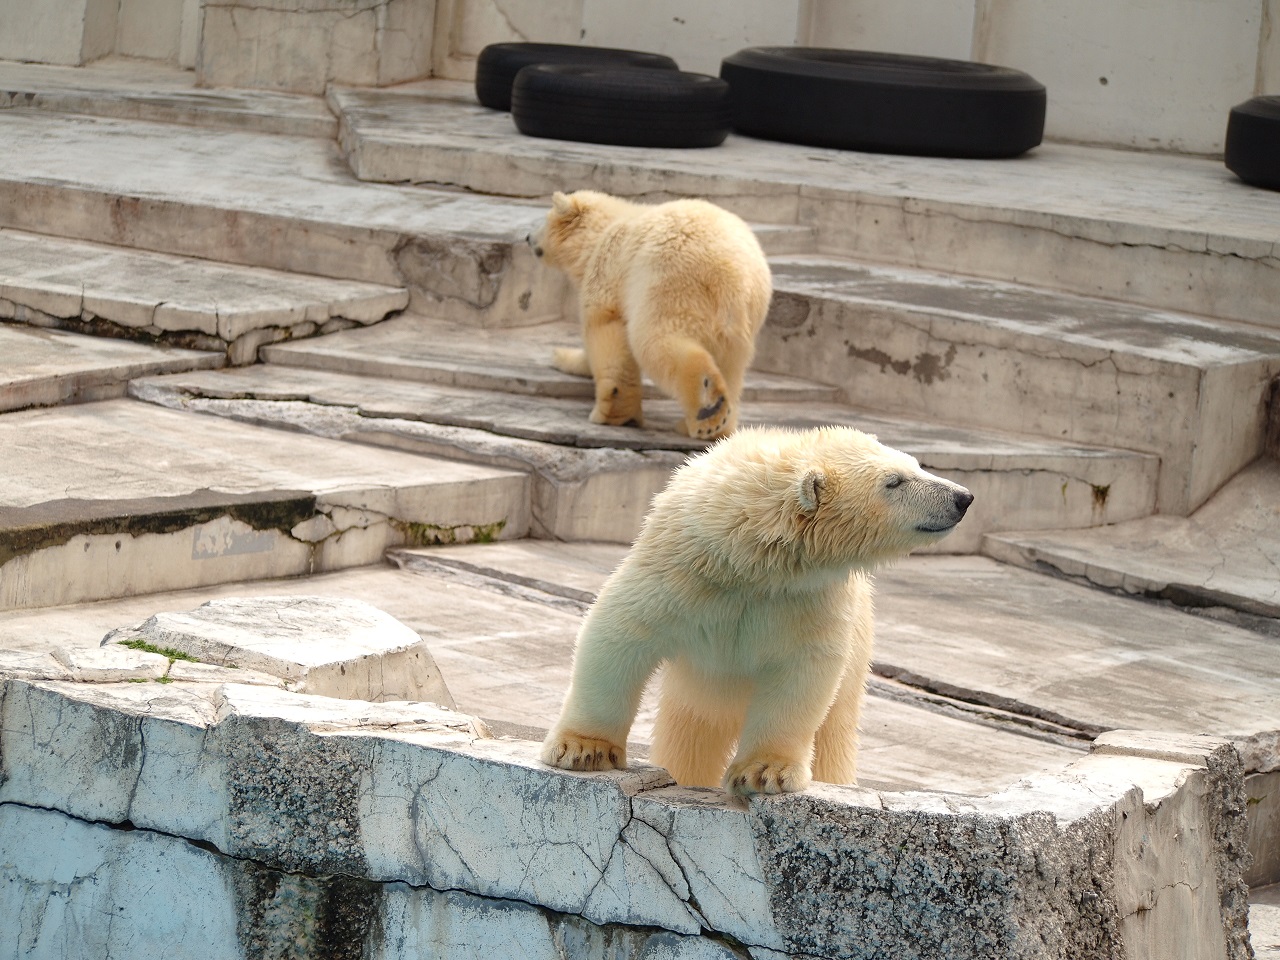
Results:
[677, 290]
[750, 581]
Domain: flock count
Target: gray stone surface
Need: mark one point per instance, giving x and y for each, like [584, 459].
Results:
[47, 367]
[428, 350]
[118, 498]
[1264, 922]
[1001, 356]
[148, 90]
[1226, 554]
[969, 627]
[326, 646]
[1018, 480]
[284, 203]
[48, 280]
[1041, 870]
[1127, 225]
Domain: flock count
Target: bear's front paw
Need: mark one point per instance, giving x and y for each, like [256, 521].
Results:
[766, 775]
[714, 410]
[568, 751]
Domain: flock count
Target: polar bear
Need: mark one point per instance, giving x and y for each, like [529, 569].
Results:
[750, 581]
[675, 290]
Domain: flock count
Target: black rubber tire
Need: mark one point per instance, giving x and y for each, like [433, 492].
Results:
[884, 102]
[623, 106]
[1253, 142]
[498, 64]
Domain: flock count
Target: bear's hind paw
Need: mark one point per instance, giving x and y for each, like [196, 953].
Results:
[713, 415]
[569, 751]
[766, 775]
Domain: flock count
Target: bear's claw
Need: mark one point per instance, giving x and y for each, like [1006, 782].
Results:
[772, 775]
[571, 752]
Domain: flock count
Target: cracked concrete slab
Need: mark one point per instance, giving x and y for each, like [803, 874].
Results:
[328, 646]
[401, 792]
[1226, 554]
[116, 498]
[1124, 224]
[1008, 357]
[43, 368]
[56, 282]
[1016, 479]
[129, 89]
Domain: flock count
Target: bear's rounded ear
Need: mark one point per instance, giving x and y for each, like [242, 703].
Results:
[562, 203]
[809, 491]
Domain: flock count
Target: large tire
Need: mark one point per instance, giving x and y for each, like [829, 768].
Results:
[498, 64]
[625, 107]
[1253, 142]
[884, 102]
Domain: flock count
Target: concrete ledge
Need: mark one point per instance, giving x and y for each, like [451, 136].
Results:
[136, 512]
[409, 795]
[44, 368]
[103, 289]
[1110, 223]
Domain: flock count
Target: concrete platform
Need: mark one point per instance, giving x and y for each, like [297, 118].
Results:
[1016, 479]
[1126, 225]
[148, 90]
[1226, 554]
[43, 368]
[945, 348]
[120, 498]
[49, 281]
[506, 658]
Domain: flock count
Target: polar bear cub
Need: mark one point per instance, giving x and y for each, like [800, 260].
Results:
[750, 581]
[675, 290]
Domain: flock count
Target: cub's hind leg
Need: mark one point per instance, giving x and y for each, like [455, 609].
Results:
[686, 370]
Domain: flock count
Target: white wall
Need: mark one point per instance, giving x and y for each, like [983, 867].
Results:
[697, 35]
[928, 28]
[68, 32]
[1139, 73]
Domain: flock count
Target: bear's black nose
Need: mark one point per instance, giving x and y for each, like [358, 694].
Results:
[963, 499]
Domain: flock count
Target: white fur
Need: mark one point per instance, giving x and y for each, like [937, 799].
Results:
[675, 290]
[751, 581]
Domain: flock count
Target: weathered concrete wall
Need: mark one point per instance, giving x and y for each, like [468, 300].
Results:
[398, 830]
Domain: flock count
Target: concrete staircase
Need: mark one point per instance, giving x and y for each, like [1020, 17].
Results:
[1087, 339]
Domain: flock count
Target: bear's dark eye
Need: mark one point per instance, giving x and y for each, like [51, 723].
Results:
[893, 481]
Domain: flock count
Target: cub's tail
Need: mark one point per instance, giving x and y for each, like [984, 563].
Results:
[571, 360]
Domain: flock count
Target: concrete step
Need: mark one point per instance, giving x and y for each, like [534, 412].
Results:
[982, 353]
[284, 203]
[1225, 556]
[595, 482]
[43, 368]
[150, 90]
[94, 288]
[120, 498]
[1054, 657]
[427, 350]
[1169, 231]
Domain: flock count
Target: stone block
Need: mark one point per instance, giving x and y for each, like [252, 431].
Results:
[324, 646]
[1134, 851]
[151, 29]
[303, 46]
[69, 32]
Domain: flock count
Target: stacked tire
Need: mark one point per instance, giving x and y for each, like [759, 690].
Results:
[602, 95]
